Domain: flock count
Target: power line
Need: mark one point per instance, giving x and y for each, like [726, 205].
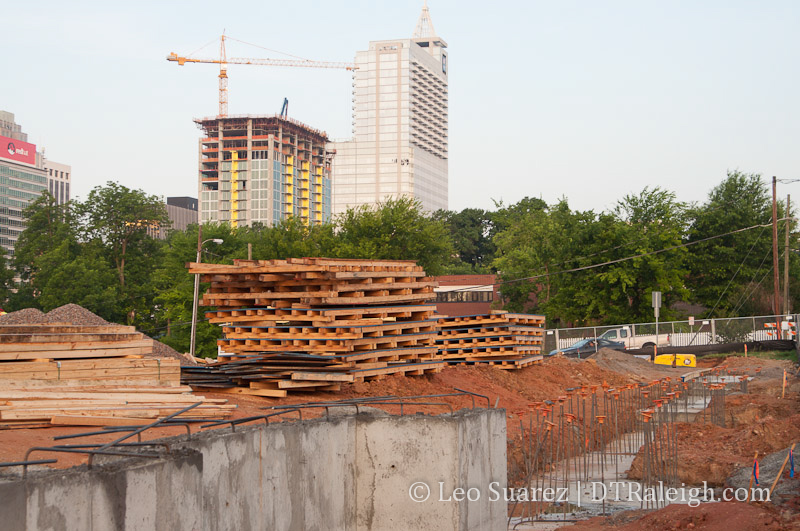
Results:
[755, 288]
[620, 246]
[744, 296]
[760, 234]
[618, 260]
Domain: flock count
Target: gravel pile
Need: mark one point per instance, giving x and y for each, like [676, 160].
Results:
[160, 350]
[22, 317]
[768, 467]
[78, 315]
[73, 314]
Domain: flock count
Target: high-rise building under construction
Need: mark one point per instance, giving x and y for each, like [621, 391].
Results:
[263, 169]
[400, 114]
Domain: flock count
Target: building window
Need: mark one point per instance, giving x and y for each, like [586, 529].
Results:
[464, 296]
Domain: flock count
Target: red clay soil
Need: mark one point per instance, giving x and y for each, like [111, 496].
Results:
[513, 390]
[728, 516]
[758, 421]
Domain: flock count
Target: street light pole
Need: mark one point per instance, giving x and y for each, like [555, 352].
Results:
[197, 287]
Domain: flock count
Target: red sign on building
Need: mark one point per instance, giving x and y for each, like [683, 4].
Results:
[17, 150]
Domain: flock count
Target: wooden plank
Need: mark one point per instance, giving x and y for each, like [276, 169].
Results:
[63, 351]
[377, 300]
[299, 384]
[318, 376]
[25, 338]
[121, 386]
[94, 420]
[245, 391]
[52, 328]
[109, 394]
[77, 345]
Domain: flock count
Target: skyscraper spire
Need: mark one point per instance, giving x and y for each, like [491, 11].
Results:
[424, 24]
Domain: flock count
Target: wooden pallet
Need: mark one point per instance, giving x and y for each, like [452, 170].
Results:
[89, 375]
[313, 282]
[508, 341]
[505, 363]
[322, 316]
[340, 320]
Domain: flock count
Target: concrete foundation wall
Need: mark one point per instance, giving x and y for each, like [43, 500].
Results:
[350, 472]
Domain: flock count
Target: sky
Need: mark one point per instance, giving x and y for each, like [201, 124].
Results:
[582, 100]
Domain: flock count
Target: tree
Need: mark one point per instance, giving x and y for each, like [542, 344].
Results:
[120, 218]
[394, 230]
[117, 219]
[470, 232]
[585, 268]
[84, 278]
[719, 269]
[290, 239]
[50, 228]
[47, 226]
[540, 243]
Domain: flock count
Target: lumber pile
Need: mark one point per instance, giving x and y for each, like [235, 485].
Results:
[89, 375]
[505, 340]
[314, 323]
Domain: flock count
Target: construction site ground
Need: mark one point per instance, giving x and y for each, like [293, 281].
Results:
[759, 421]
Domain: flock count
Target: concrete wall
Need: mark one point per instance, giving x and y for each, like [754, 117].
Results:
[349, 472]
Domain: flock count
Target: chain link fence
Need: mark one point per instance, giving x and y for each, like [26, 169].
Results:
[681, 333]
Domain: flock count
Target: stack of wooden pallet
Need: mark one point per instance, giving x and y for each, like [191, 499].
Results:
[313, 323]
[506, 340]
[89, 375]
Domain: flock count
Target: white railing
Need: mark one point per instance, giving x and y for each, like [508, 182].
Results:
[688, 333]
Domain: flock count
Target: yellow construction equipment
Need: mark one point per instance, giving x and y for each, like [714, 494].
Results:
[676, 360]
[224, 61]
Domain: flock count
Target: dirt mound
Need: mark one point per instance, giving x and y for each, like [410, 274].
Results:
[769, 368]
[73, 314]
[709, 516]
[25, 316]
[631, 366]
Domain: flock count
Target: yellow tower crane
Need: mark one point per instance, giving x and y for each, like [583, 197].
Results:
[224, 61]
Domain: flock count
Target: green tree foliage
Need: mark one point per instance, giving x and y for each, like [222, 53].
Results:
[470, 231]
[741, 200]
[394, 230]
[117, 219]
[175, 286]
[575, 267]
[95, 253]
[548, 244]
[50, 236]
[290, 239]
[120, 218]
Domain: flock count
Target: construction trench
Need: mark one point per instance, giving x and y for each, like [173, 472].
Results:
[579, 452]
[342, 401]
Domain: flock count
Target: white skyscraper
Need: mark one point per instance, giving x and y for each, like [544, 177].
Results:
[399, 144]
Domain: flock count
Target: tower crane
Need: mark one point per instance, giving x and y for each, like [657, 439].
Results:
[224, 61]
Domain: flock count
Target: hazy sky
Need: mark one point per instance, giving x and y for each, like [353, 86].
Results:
[589, 100]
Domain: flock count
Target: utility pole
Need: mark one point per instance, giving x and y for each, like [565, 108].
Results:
[775, 274]
[786, 259]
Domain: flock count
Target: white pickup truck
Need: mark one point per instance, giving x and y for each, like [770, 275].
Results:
[624, 335]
